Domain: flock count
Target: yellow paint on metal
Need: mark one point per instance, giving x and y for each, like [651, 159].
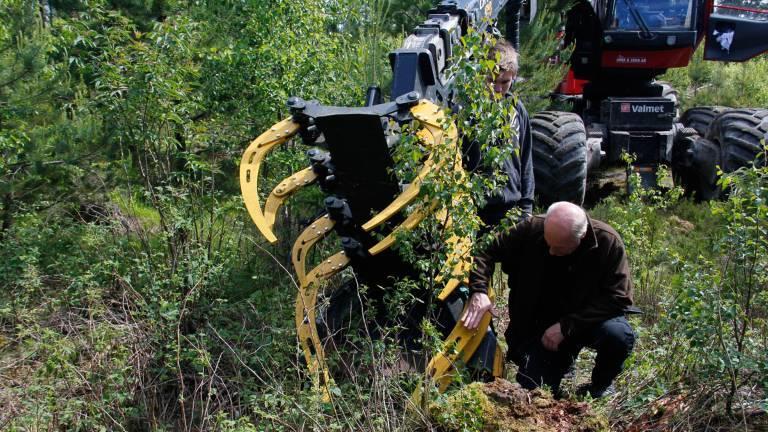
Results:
[425, 136]
[283, 190]
[249, 171]
[432, 134]
[402, 200]
[329, 267]
[297, 180]
[408, 224]
[309, 339]
[460, 345]
[316, 231]
[305, 317]
[429, 113]
[498, 362]
[461, 261]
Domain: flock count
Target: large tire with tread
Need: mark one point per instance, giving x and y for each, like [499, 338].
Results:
[740, 133]
[700, 118]
[559, 157]
[670, 93]
[700, 178]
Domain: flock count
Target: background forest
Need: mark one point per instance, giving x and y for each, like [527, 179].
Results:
[136, 294]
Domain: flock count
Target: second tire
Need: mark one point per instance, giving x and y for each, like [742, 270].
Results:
[559, 157]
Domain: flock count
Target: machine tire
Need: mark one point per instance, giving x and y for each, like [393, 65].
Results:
[670, 93]
[559, 157]
[740, 133]
[700, 179]
[700, 118]
[682, 153]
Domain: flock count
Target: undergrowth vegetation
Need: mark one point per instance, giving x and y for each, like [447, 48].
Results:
[699, 274]
[135, 293]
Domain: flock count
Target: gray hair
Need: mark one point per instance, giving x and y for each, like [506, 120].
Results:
[508, 57]
[576, 215]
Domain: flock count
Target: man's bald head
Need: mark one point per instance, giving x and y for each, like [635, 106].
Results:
[564, 227]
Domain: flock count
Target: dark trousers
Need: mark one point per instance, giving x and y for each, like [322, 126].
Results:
[613, 340]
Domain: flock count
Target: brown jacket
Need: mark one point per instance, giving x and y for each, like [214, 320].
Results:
[580, 290]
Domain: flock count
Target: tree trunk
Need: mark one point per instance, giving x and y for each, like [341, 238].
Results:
[46, 13]
[7, 216]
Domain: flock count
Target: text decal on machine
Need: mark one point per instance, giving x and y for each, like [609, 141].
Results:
[628, 107]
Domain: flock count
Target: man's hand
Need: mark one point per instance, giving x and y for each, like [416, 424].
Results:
[552, 337]
[479, 304]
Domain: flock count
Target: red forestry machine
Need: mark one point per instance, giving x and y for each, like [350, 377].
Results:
[620, 47]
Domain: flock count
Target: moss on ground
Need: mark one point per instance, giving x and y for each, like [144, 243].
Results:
[506, 407]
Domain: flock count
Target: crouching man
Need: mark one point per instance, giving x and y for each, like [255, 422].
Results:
[569, 288]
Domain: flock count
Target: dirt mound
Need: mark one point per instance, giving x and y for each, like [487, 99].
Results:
[504, 406]
[681, 225]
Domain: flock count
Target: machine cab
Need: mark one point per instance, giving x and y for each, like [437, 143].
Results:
[653, 15]
[638, 40]
[735, 30]
[650, 34]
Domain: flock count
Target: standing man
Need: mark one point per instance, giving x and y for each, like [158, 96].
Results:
[569, 288]
[517, 188]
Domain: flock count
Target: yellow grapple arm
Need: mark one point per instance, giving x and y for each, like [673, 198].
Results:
[461, 343]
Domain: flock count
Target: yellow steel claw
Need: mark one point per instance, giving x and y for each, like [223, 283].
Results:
[306, 325]
[408, 224]
[430, 114]
[432, 135]
[460, 259]
[311, 235]
[461, 343]
[459, 346]
[402, 200]
[498, 362]
[249, 171]
[283, 190]
[309, 339]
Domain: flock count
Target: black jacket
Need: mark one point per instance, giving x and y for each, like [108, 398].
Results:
[517, 191]
[579, 291]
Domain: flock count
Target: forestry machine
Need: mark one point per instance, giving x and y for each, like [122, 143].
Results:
[350, 160]
[620, 46]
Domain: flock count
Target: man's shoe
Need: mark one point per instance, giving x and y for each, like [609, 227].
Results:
[595, 392]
